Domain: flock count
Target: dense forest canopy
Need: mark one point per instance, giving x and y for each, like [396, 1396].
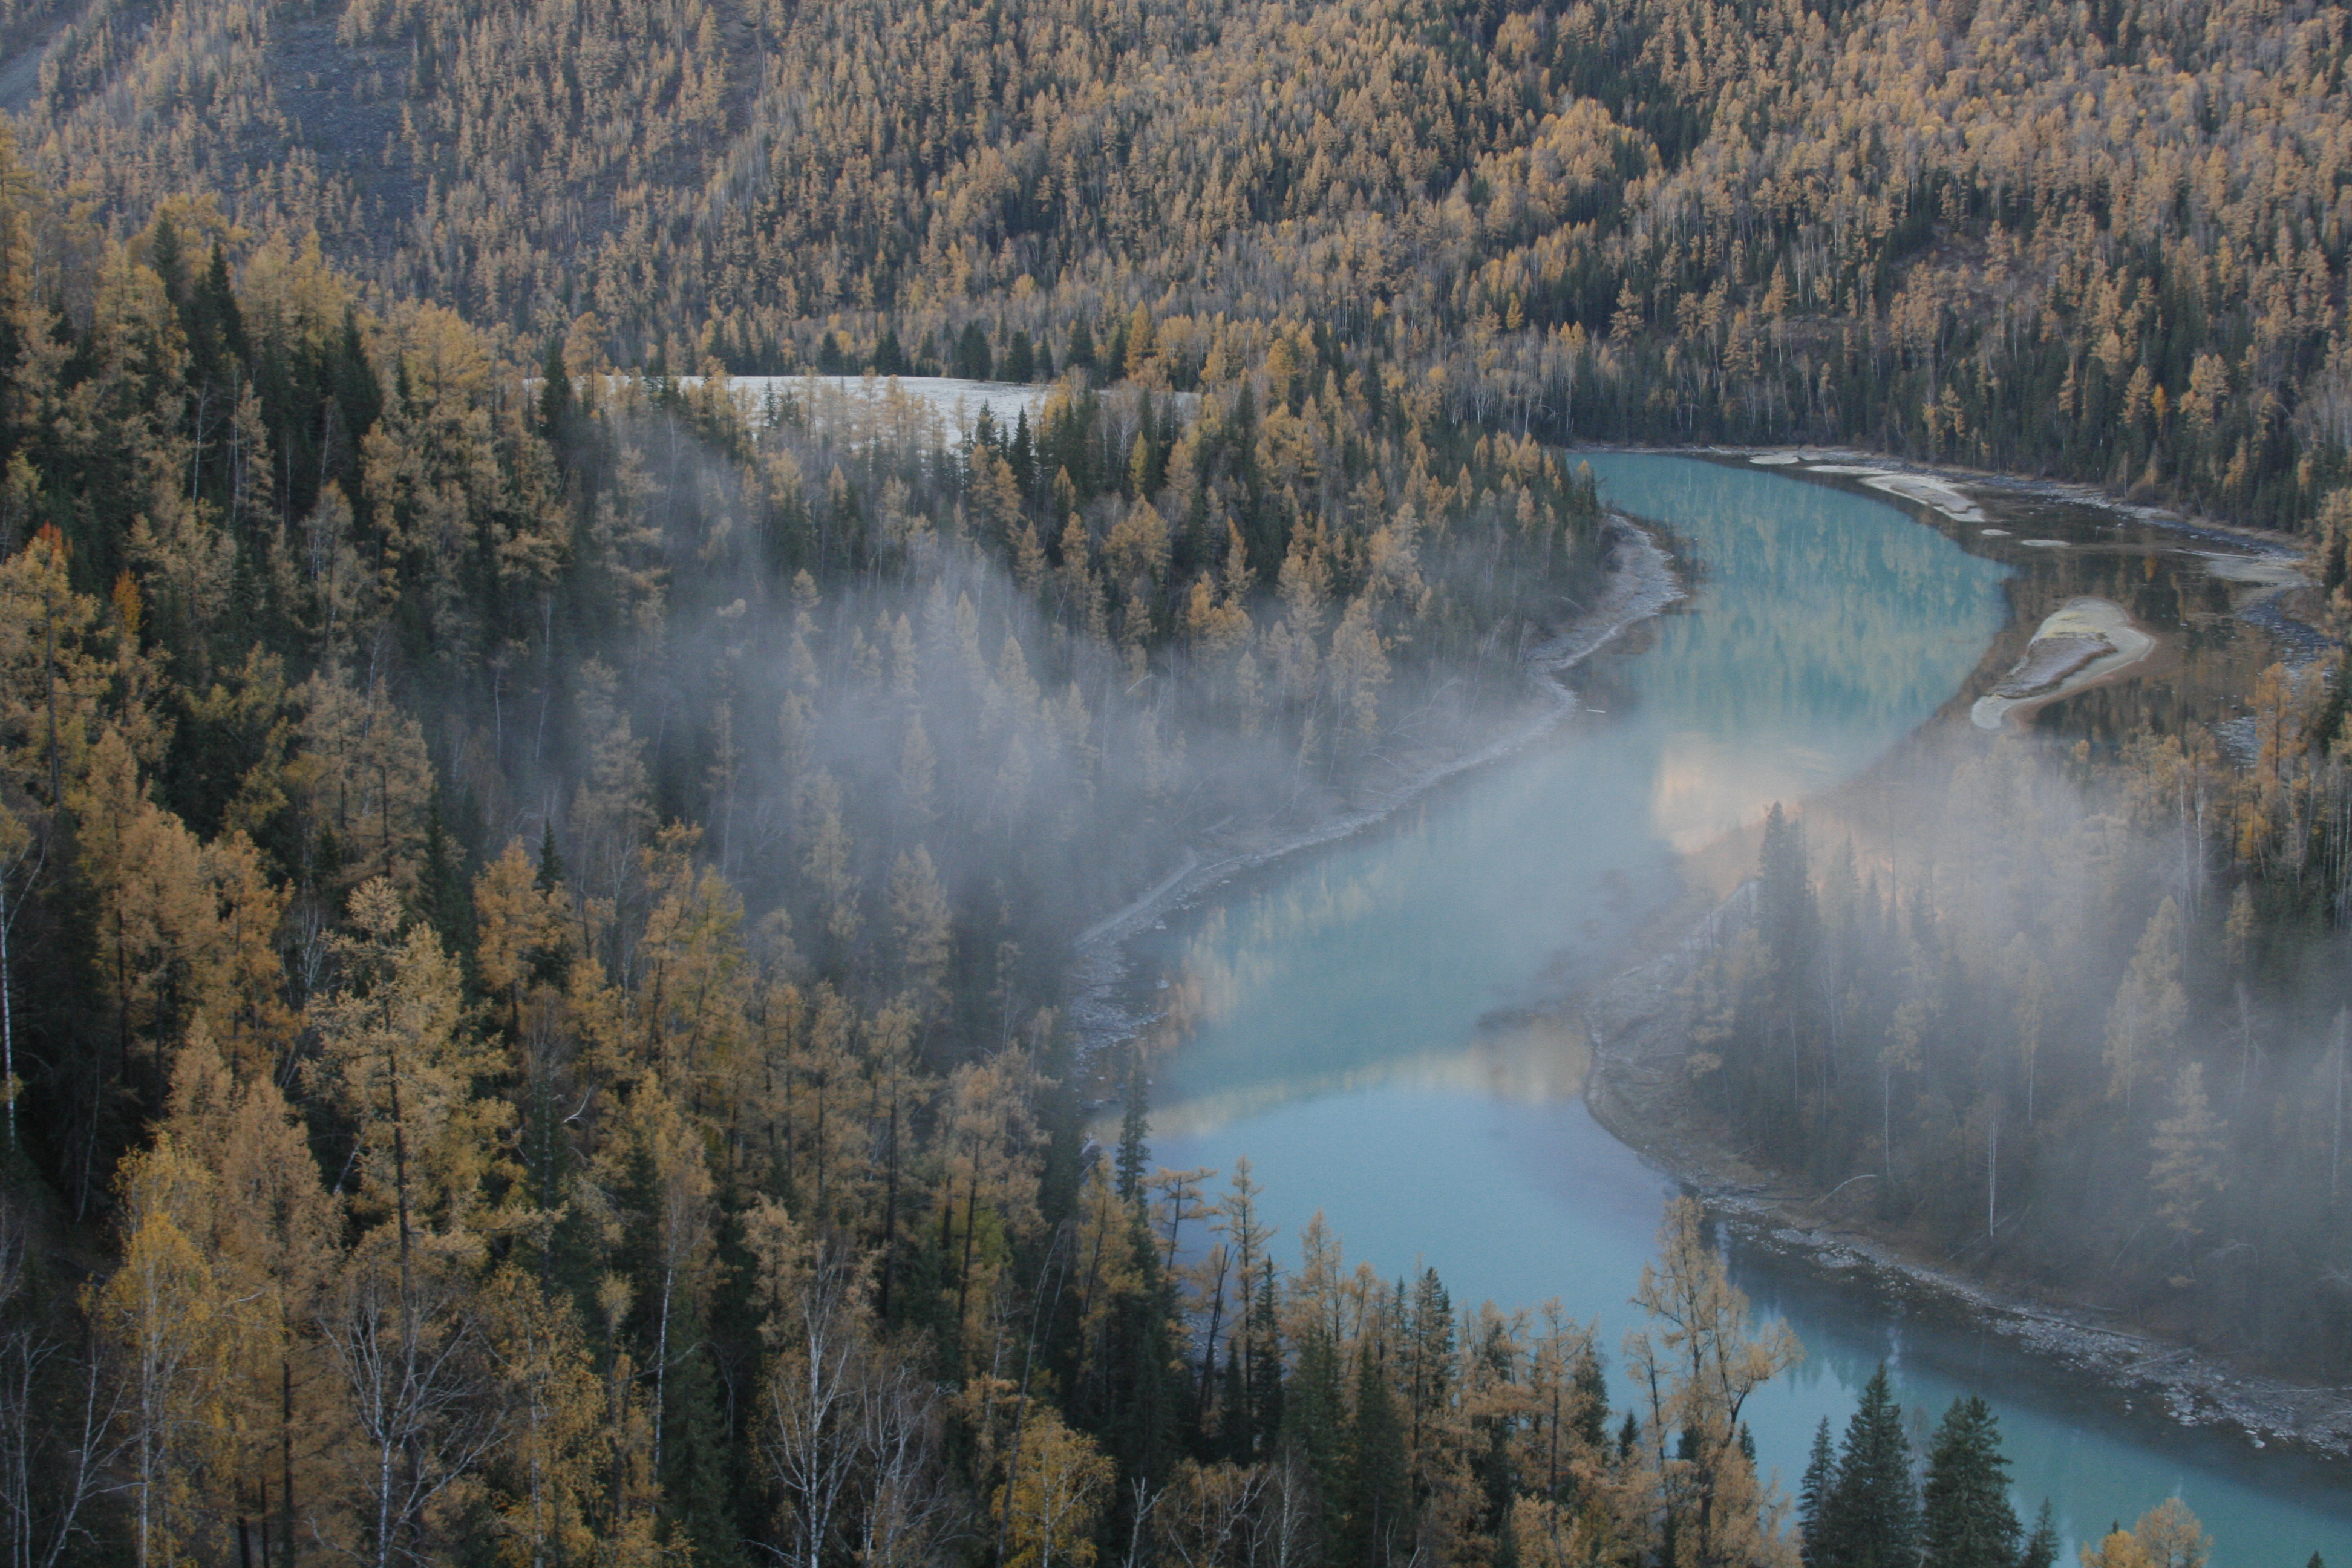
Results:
[537, 893]
[2101, 240]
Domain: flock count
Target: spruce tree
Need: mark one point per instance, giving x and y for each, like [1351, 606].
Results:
[1311, 1415]
[1265, 1361]
[972, 354]
[551, 860]
[555, 399]
[1379, 1494]
[699, 1455]
[1134, 1129]
[1592, 1398]
[1020, 359]
[1966, 1521]
[1813, 1496]
[2042, 1551]
[443, 895]
[1872, 1517]
[214, 323]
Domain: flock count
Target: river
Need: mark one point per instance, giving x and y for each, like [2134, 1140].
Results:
[1343, 1006]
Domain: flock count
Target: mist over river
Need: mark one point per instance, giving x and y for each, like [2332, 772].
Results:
[1355, 1023]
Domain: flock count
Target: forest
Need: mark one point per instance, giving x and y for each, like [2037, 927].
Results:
[2089, 1010]
[537, 889]
[2105, 241]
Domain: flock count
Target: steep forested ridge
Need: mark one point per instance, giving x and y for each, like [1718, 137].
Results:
[2106, 241]
[536, 892]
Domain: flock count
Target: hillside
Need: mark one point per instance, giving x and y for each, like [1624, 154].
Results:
[2106, 241]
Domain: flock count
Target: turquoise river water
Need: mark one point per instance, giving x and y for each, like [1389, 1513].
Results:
[1338, 1041]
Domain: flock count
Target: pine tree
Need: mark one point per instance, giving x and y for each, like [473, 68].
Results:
[1379, 1495]
[1312, 1413]
[1266, 1362]
[699, 1489]
[1813, 1498]
[1134, 1130]
[551, 860]
[441, 893]
[2042, 1548]
[1784, 898]
[555, 399]
[1872, 1515]
[1966, 1521]
[972, 356]
[1020, 359]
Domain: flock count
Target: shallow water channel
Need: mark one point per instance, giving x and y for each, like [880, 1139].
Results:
[1343, 1003]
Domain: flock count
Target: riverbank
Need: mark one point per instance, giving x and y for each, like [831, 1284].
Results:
[1642, 583]
[1933, 485]
[1639, 1025]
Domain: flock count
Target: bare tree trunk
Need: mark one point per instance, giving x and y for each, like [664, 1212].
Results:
[7, 1018]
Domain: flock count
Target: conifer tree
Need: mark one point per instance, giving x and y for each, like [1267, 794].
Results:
[1966, 1521]
[1134, 1130]
[555, 399]
[1872, 1518]
[1379, 1494]
[2042, 1546]
[1814, 1497]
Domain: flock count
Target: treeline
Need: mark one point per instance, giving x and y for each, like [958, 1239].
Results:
[2086, 1012]
[2105, 242]
[1868, 1501]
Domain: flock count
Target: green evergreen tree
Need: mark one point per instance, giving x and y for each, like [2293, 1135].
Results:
[1966, 1521]
[972, 356]
[1379, 1505]
[1873, 1516]
[1592, 1396]
[551, 860]
[1311, 1422]
[2041, 1549]
[698, 1484]
[1266, 1363]
[214, 324]
[1813, 1495]
[443, 895]
[1784, 899]
[1148, 1383]
[1020, 359]
[1134, 1130]
[555, 399]
[359, 397]
[168, 257]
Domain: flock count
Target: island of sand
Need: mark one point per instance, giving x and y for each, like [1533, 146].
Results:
[2085, 640]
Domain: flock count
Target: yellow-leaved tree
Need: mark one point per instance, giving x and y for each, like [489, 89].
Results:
[168, 1315]
[1049, 1504]
[1696, 1373]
